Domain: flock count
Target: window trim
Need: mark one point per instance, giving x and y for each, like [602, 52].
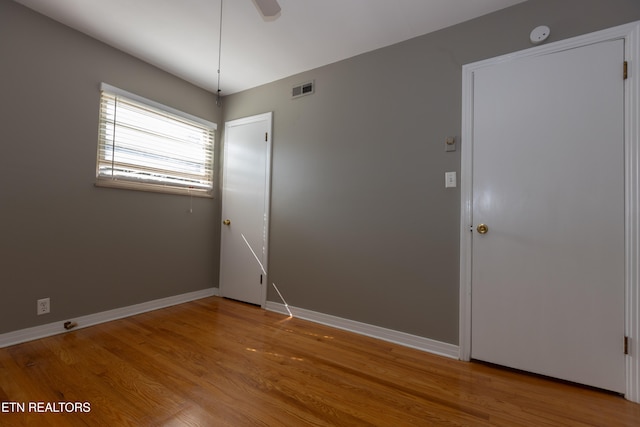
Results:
[152, 187]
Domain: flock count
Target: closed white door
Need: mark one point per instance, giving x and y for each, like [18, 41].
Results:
[548, 182]
[245, 208]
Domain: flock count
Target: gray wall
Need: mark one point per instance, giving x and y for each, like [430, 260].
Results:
[361, 224]
[89, 249]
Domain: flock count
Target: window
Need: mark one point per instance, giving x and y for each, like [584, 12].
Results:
[143, 145]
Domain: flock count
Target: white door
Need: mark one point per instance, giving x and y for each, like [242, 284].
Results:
[547, 278]
[245, 208]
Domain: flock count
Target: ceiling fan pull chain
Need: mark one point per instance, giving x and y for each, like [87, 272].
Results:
[218, 99]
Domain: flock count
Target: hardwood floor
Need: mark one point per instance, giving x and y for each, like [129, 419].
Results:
[216, 362]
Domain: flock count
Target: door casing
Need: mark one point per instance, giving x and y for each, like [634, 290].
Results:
[268, 119]
[631, 35]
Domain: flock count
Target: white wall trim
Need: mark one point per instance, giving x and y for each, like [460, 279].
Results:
[42, 331]
[401, 338]
[632, 214]
[631, 34]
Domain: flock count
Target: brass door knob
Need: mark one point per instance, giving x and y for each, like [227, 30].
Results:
[482, 228]
[226, 222]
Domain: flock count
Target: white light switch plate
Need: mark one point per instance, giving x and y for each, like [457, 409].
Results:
[450, 180]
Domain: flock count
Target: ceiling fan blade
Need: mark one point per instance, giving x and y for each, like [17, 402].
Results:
[268, 8]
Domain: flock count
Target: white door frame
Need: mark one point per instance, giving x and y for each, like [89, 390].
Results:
[631, 34]
[267, 208]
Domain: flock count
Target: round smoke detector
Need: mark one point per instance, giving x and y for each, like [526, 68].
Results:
[540, 34]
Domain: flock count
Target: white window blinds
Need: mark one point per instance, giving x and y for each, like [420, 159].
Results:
[143, 145]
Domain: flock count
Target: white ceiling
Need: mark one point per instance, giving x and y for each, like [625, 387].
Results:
[181, 36]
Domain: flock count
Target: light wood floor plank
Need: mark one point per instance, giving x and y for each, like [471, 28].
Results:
[216, 362]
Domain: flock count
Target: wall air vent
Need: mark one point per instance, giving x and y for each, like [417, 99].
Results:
[303, 89]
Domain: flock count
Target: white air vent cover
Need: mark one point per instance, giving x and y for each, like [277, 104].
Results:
[303, 89]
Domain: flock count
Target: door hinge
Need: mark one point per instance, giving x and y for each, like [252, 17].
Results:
[266, 136]
[626, 345]
[625, 72]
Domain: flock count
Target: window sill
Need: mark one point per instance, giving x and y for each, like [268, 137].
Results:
[153, 188]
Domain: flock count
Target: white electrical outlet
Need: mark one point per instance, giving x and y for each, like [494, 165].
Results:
[43, 306]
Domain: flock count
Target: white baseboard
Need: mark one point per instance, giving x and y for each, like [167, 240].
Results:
[28, 334]
[401, 338]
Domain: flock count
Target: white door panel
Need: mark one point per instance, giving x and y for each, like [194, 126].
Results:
[245, 204]
[548, 181]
